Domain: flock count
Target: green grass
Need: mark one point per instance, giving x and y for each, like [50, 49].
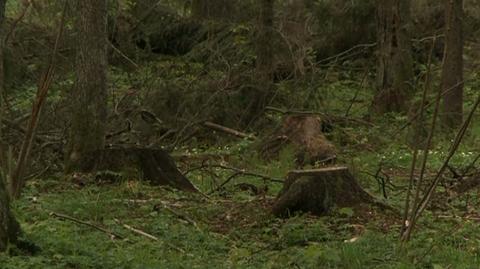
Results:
[232, 232]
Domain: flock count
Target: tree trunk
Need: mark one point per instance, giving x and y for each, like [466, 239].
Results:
[394, 63]
[212, 10]
[9, 228]
[90, 94]
[264, 42]
[452, 71]
[2, 77]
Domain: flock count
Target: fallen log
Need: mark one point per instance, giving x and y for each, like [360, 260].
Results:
[319, 190]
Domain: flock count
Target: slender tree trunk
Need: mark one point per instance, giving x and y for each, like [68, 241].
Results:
[394, 63]
[264, 41]
[9, 228]
[90, 91]
[213, 9]
[452, 71]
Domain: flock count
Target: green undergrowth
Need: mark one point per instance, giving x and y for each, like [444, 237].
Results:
[233, 230]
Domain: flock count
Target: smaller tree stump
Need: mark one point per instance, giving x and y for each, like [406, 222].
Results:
[155, 165]
[304, 134]
[318, 190]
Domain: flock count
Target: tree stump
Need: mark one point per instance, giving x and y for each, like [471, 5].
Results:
[155, 165]
[9, 227]
[304, 134]
[318, 190]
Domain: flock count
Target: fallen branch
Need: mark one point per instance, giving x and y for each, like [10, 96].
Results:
[237, 170]
[179, 215]
[137, 231]
[227, 130]
[147, 235]
[112, 234]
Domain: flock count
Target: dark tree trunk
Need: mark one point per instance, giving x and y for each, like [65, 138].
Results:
[2, 72]
[264, 42]
[452, 71]
[9, 228]
[212, 10]
[89, 95]
[394, 63]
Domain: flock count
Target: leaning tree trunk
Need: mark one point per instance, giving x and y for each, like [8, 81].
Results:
[394, 60]
[452, 71]
[90, 94]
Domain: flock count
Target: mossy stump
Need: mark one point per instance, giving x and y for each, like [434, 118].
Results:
[304, 134]
[318, 190]
[155, 165]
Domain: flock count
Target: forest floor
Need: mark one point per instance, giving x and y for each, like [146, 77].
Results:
[233, 228]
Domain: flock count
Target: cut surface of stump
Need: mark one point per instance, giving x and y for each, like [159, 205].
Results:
[304, 134]
[9, 227]
[155, 165]
[319, 190]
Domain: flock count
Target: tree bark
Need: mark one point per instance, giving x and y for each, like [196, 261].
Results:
[90, 91]
[9, 228]
[212, 10]
[264, 64]
[452, 70]
[394, 60]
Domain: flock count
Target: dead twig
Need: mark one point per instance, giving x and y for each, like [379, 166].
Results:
[177, 214]
[147, 235]
[218, 127]
[112, 234]
[137, 231]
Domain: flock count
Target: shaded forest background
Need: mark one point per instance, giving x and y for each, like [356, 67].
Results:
[213, 86]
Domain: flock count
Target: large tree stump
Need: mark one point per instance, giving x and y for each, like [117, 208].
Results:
[304, 134]
[318, 190]
[155, 165]
[9, 227]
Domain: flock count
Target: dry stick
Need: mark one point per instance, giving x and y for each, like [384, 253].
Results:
[117, 50]
[427, 197]
[415, 152]
[224, 183]
[17, 181]
[246, 173]
[112, 234]
[457, 141]
[413, 217]
[227, 130]
[137, 231]
[180, 216]
[147, 235]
